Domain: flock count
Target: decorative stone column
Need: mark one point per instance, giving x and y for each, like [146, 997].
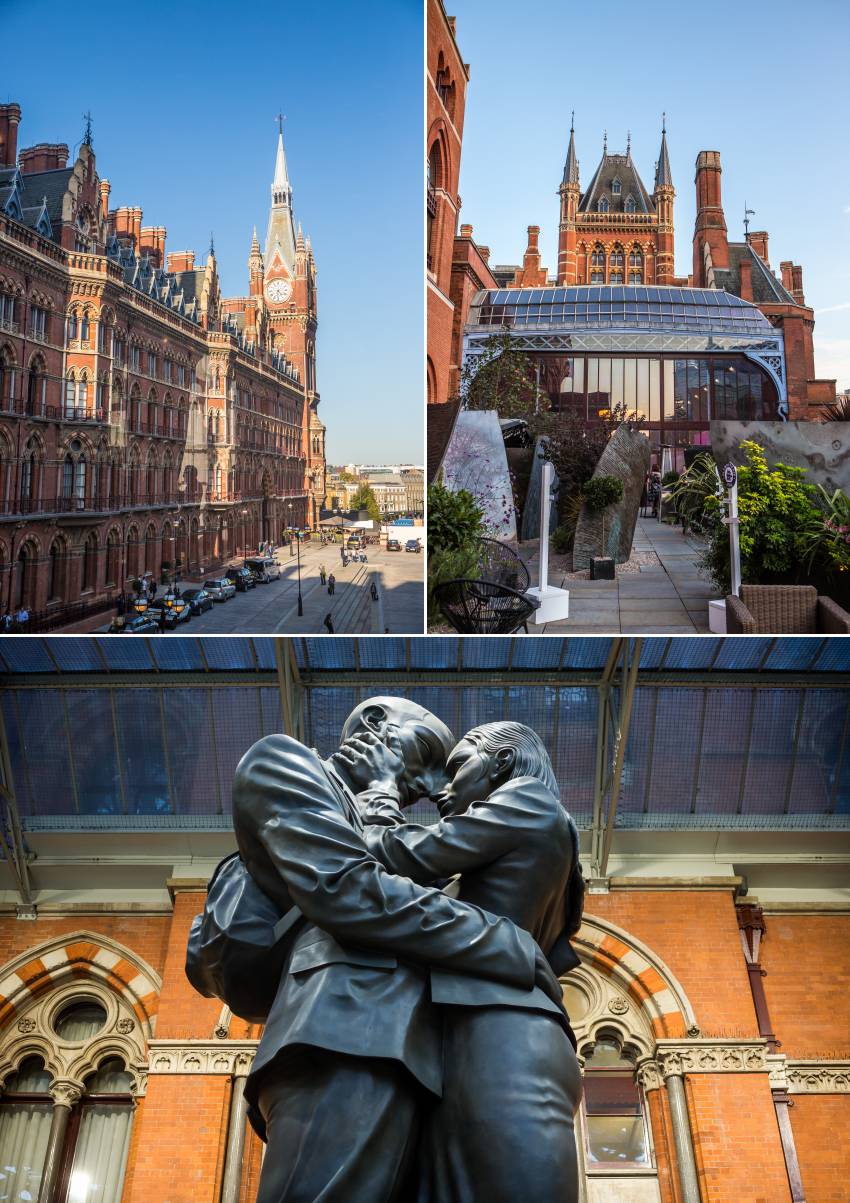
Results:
[65, 1095]
[232, 1176]
[670, 1065]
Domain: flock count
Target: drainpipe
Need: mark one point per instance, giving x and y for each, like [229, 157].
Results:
[751, 928]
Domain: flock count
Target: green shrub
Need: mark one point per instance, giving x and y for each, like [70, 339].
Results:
[601, 491]
[828, 541]
[454, 519]
[562, 539]
[669, 478]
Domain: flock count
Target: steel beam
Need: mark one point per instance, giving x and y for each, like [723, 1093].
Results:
[14, 854]
[629, 674]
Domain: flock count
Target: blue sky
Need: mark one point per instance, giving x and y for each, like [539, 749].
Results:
[184, 96]
[764, 85]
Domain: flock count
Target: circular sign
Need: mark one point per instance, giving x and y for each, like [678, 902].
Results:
[730, 475]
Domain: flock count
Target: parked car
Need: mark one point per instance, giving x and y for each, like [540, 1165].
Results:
[393, 545]
[220, 589]
[259, 570]
[353, 540]
[413, 545]
[168, 619]
[242, 578]
[272, 568]
[135, 624]
[198, 599]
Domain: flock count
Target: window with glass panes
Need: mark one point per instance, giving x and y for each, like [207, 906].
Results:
[615, 1129]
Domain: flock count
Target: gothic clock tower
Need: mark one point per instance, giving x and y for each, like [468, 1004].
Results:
[289, 289]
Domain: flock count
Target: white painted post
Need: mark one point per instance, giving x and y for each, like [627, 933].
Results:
[545, 508]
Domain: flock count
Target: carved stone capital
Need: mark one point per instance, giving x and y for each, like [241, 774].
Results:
[65, 1093]
[776, 1070]
[818, 1077]
[648, 1075]
[712, 1056]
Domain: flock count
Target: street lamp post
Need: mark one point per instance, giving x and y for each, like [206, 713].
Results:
[300, 602]
[244, 536]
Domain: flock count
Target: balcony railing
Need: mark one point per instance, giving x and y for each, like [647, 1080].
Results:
[55, 413]
[88, 505]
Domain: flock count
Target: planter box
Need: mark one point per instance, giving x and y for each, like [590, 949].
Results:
[602, 568]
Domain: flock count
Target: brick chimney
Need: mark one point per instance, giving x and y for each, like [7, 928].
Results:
[758, 241]
[105, 189]
[787, 280]
[746, 280]
[46, 156]
[181, 261]
[466, 231]
[710, 226]
[152, 244]
[137, 228]
[121, 221]
[797, 280]
[10, 119]
[484, 252]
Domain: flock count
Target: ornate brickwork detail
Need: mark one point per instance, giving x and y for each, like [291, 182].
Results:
[649, 1075]
[818, 1077]
[617, 1005]
[201, 1056]
[26, 1025]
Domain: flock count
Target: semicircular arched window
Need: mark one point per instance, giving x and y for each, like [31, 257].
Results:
[615, 1126]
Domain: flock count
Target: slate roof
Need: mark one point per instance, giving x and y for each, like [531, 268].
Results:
[616, 167]
[50, 184]
[766, 288]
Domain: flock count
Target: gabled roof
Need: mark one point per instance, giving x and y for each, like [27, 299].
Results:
[766, 288]
[616, 167]
[51, 185]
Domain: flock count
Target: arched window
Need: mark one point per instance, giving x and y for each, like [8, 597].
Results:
[56, 571]
[597, 259]
[616, 186]
[90, 562]
[26, 1113]
[635, 258]
[615, 1127]
[630, 206]
[7, 377]
[84, 328]
[70, 395]
[112, 558]
[150, 477]
[603, 204]
[636, 277]
[36, 385]
[617, 256]
[432, 183]
[72, 326]
[82, 394]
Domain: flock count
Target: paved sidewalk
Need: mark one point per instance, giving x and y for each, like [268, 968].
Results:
[670, 598]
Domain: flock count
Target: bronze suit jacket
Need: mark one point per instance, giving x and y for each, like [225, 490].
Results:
[514, 851]
[356, 979]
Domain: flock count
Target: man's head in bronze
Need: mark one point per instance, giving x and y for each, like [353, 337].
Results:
[487, 757]
[420, 739]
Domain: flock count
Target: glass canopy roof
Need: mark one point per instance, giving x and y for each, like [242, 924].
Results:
[625, 307]
[725, 732]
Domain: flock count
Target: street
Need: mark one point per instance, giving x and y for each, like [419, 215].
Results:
[273, 607]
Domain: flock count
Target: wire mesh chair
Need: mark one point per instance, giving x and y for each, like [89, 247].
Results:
[484, 607]
[500, 564]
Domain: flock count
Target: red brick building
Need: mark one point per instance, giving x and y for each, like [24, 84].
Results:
[144, 418]
[743, 268]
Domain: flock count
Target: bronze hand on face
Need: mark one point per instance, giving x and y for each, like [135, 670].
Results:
[370, 764]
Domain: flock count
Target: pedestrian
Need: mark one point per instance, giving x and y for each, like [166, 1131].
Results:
[22, 618]
[8, 621]
[331, 585]
[373, 589]
[121, 605]
[329, 623]
[342, 552]
[323, 575]
[344, 560]
[153, 590]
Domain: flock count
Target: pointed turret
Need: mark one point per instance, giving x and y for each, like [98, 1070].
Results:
[571, 165]
[280, 239]
[663, 174]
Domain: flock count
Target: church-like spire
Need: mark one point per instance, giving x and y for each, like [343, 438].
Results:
[663, 174]
[280, 239]
[255, 244]
[571, 165]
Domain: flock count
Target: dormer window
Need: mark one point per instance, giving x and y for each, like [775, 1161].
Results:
[630, 206]
[616, 186]
[603, 205]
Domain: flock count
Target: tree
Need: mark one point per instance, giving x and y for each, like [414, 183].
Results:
[364, 499]
[501, 378]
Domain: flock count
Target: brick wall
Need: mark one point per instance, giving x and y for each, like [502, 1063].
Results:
[807, 962]
[821, 1124]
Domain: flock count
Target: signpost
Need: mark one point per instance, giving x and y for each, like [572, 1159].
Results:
[730, 479]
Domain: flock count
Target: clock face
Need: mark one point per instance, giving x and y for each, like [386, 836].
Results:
[278, 291]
